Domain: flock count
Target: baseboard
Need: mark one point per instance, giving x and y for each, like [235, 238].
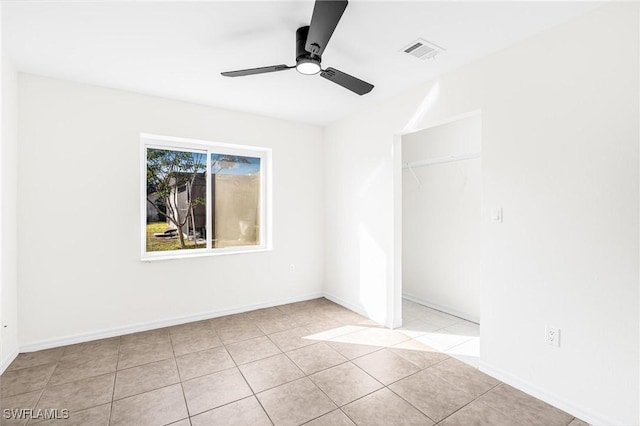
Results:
[442, 308]
[135, 328]
[582, 413]
[7, 362]
[352, 307]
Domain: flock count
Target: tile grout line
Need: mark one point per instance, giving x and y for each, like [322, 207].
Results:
[181, 381]
[151, 362]
[175, 361]
[456, 386]
[147, 391]
[65, 383]
[321, 370]
[219, 406]
[325, 414]
[313, 383]
[115, 376]
[304, 374]
[242, 340]
[144, 364]
[474, 400]
[391, 390]
[35, 405]
[250, 388]
[347, 415]
[303, 347]
[413, 374]
[13, 370]
[295, 363]
[237, 366]
[82, 378]
[460, 344]
[443, 377]
[33, 390]
[339, 407]
[45, 386]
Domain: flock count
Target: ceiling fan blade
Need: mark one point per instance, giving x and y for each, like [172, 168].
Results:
[325, 18]
[347, 81]
[252, 71]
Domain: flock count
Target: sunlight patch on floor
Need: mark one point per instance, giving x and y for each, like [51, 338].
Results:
[424, 329]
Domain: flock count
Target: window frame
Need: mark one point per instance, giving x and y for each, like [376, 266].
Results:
[152, 141]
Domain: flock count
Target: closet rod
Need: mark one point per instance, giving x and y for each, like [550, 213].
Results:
[441, 160]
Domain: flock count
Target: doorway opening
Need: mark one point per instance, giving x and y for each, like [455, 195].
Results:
[441, 237]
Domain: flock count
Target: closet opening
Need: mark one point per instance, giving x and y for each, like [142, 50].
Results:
[441, 237]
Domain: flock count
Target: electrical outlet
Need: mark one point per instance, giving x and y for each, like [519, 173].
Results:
[552, 336]
[292, 268]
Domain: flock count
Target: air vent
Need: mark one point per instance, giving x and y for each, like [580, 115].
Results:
[422, 49]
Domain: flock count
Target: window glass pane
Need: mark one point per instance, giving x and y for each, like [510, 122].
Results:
[235, 192]
[176, 199]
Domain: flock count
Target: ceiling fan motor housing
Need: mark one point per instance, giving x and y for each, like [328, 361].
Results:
[311, 40]
[301, 53]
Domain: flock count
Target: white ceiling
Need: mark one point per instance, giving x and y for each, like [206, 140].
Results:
[178, 49]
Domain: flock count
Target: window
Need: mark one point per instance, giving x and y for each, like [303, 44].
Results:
[202, 198]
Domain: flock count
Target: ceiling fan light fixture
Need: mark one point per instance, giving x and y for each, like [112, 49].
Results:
[311, 41]
[308, 67]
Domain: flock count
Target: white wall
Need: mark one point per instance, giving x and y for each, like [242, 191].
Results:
[79, 220]
[560, 156]
[8, 232]
[441, 218]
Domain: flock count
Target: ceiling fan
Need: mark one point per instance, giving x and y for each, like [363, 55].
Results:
[311, 41]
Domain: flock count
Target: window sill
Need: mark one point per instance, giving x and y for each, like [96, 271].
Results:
[202, 253]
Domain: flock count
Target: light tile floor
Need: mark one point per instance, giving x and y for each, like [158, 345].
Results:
[449, 334]
[311, 362]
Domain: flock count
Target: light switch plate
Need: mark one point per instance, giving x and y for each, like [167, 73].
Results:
[496, 215]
